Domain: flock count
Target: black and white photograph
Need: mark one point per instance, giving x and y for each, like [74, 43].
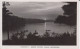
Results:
[39, 23]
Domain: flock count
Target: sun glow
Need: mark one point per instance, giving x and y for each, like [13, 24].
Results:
[45, 24]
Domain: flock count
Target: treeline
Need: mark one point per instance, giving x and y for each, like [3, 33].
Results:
[45, 39]
[12, 22]
[69, 16]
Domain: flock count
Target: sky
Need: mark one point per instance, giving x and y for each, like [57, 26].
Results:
[36, 10]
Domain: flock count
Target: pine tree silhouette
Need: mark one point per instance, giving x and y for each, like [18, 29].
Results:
[5, 14]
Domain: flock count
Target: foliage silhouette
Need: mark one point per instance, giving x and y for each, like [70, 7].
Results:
[5, 14]
[70, 14]
[10, 22]
[46, 34]
[35, 39]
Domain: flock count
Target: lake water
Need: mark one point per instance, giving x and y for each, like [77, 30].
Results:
[41, 27]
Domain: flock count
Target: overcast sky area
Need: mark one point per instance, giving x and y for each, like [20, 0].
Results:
[36, 10]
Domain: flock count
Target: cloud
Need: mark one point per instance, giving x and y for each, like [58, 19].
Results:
[36, 9]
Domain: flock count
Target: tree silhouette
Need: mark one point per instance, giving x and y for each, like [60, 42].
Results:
[15, 37]
[22, 35]
[5, 14]
[29, 35]
[69, 16]
[10, 21]
[46, 34]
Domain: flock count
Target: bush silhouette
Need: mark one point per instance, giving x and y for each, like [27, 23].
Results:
[45, 39]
